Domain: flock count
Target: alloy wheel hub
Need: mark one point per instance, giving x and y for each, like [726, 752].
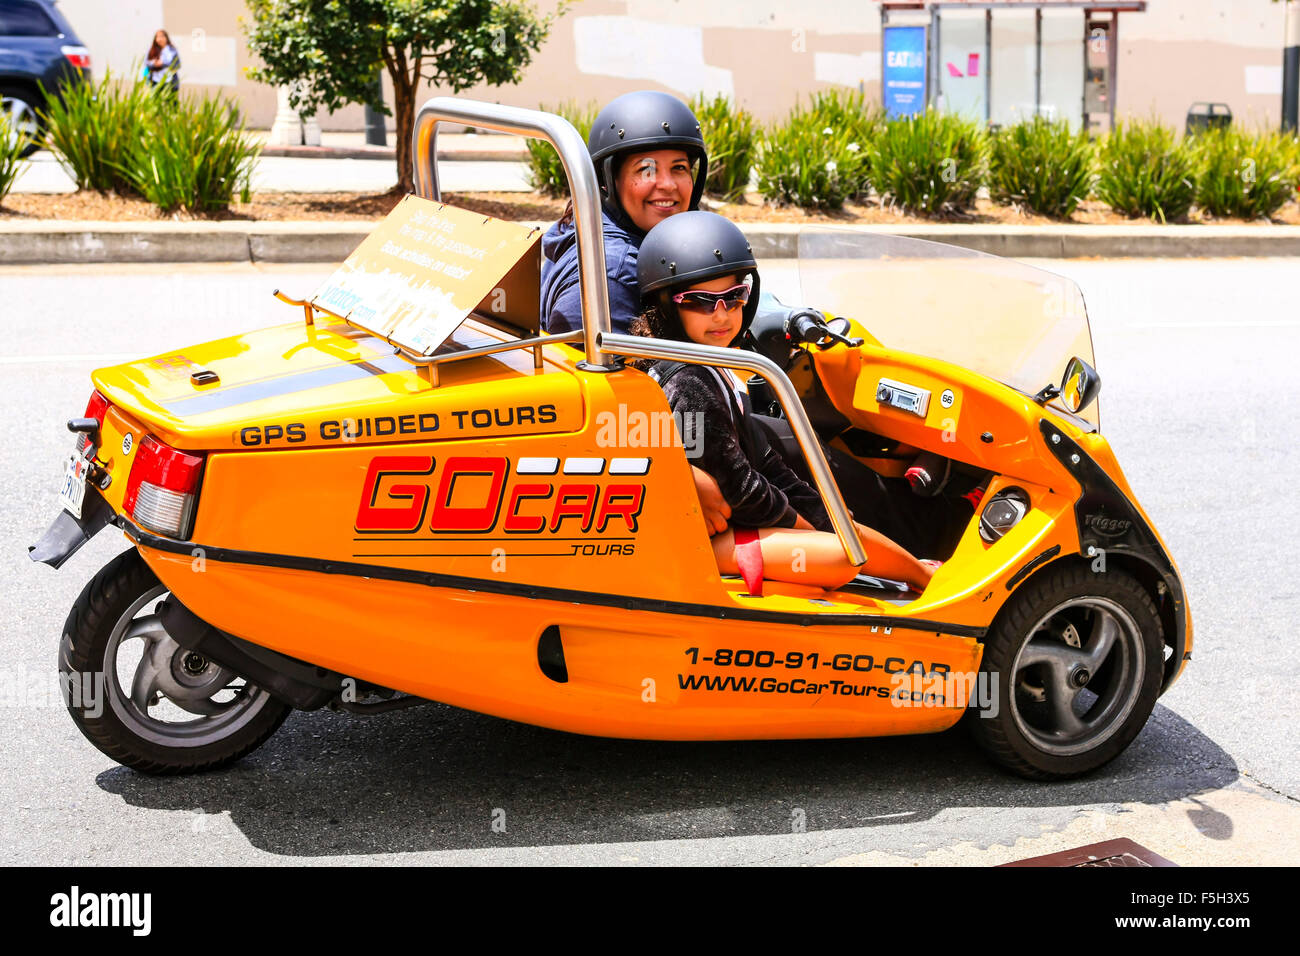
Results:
[1063, 654]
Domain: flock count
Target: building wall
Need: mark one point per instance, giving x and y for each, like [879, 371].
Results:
[1182, 51]
[764, 53]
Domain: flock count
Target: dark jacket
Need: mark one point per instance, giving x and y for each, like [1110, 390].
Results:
[755, 481]
[561, 306]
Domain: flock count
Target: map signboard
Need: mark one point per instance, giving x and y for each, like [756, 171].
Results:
[423, 270]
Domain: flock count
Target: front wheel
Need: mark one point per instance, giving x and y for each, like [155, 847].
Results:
[143, 699]
[1074, 662]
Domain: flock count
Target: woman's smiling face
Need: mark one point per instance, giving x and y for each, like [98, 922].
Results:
[655, 185]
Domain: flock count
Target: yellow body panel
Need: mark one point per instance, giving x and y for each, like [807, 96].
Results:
[980, 407]
[296, 387]
[630, 673]
[427, 538]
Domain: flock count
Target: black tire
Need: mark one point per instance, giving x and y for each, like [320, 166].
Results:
[231, 717]
[1069, 697]
[20, 106]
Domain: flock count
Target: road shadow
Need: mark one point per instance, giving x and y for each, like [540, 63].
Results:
[437, 778]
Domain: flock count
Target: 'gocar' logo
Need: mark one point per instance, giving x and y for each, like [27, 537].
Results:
[476, 495]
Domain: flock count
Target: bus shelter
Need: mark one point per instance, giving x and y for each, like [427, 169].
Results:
[1003, 62]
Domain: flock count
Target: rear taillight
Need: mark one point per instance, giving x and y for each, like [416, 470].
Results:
[162, 488]
[78, 56]
[96, 408]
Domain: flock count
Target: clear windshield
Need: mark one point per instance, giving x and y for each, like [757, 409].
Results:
[1001, 318]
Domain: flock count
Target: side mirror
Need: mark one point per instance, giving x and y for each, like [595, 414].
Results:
[1080, 385]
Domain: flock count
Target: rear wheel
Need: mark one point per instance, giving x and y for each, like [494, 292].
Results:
[143, 699]
[1074, 663]
[18, 107]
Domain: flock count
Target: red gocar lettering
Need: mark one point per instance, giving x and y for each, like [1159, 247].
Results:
[404, 518]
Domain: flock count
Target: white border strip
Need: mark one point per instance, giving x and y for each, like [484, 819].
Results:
[629, 466]
[537, 466]
[584, 466]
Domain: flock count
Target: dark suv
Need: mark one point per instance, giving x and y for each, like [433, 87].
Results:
[37, 46]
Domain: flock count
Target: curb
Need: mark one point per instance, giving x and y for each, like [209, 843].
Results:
[114, 242]
[780, 240]
[45, 243]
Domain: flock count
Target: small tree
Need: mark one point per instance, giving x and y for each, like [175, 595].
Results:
[330, 51]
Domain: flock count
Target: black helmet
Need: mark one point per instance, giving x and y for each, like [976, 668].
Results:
[639, 122]
[693, 247]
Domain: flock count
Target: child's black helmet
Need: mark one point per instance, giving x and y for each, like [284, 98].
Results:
[690, 248]
[639, 122]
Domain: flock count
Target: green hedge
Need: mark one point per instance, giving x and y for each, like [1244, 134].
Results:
[178, 152]
[1147, 171]
[930, 163]
[91, 129]
[1250, 176]
[837, 147]
[848, 112]
[11, 156]
[544, 167]
[730, 135]
[1042, 165]
[197, 156]
[805, 163]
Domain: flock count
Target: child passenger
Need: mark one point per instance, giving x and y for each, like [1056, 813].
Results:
[699, 282]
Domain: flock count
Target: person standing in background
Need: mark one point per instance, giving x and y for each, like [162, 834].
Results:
[163, 62]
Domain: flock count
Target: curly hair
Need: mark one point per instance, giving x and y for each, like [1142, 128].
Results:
[659, 320]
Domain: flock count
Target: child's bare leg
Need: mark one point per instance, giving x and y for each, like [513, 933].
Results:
[801, 557]
[806, 557]
[886, 559]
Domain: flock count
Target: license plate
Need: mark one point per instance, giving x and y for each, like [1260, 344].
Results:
[73, 492]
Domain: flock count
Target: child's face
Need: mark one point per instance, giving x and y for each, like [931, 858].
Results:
[721, 325]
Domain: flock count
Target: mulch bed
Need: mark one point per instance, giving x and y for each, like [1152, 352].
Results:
[271, 207]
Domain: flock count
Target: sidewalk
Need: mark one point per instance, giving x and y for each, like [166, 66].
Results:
[343, 163]
[35, 242]
[462, 147]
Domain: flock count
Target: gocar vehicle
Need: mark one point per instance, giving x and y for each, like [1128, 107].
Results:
[410, 494]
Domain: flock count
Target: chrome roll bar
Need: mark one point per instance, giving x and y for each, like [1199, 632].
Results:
[641, 347]
[599, 342]
[578, 169]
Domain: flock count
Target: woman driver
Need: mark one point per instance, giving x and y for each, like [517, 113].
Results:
[699, 283]
[643, 145]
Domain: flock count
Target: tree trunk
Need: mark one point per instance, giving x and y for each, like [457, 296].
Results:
[404, 115]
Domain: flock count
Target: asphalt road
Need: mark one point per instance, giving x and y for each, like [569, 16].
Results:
[1199, 402]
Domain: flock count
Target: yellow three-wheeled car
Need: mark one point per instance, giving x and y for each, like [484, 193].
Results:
[410, 493]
